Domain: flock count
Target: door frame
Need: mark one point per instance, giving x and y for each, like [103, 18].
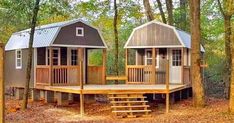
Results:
[59, 55]
[174, 67]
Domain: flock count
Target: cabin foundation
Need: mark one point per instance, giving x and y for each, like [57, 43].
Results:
[49, 96]
[62, 99]
[35, 94]
[19, 93]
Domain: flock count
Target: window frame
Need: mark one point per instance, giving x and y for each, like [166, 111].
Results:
[156, 57]
[20, 59]
[48, 56]
[82, 31]
[71, 56]
[177, 59]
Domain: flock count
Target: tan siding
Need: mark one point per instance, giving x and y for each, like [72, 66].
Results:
[154, 35]
[16, 77]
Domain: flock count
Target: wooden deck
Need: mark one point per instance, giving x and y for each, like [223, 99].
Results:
[123, 88]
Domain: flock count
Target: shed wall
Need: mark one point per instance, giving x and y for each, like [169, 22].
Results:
[16, 77]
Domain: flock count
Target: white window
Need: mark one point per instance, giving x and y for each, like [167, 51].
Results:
[148, 57]
[18, 59]
[74, 59]
[79, 31]
[176, 57]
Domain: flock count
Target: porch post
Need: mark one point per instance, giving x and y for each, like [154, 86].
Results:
[104, 66]
[51, 66]
[182, 65]
[167, 86]
[81, 58]
[126, 65]
[153, 79]
[81, 90]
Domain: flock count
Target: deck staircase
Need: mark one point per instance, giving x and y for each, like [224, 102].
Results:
[129, 105]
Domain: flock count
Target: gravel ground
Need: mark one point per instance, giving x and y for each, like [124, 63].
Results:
[181, 112]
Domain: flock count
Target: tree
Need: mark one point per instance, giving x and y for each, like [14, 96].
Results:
[227, 14]
[148, 10]
[169, 5]
[30, 53]
[115, 23]
[197, 84]
[161, 11]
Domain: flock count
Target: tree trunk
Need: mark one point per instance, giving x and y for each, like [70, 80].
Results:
[170, 11]
[231, 102]
[197, 83]
[161, 11]
[2, 86]
[148, 10]
[115, 24]
[228, 59]
[30, 53]
[227, 14]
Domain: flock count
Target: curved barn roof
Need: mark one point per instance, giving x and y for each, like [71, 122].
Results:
[44, 36]
[155, 34]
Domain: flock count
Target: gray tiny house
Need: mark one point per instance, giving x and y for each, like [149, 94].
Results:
[58, 50]
[153, 44]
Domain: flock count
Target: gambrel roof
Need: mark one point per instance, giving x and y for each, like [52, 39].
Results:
[45, 36]
[155, 34]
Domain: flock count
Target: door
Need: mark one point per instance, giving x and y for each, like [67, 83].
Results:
[55, 56]
[175, 66]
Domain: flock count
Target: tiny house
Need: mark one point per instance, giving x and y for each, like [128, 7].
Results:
[153, 44]
[59, 52]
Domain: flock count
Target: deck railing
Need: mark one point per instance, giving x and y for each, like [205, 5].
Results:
[95, 75]
[59, 75]
[142, 74]
[186, 76]
[65, 75]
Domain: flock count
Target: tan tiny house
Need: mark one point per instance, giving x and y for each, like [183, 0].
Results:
[153, 44]
[58, 50]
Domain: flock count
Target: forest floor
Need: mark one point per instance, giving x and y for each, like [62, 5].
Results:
[182, 111]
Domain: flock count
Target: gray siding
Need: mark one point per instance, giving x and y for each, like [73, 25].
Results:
[154, 35]
[16, 77]
[67, 36]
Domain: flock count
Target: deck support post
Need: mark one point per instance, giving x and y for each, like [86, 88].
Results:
[167, 87]
[153, 79]
[19, 93]
[49, 96]
[104, 66]
[2, 87]
[35, 94]
[62, 99]
[81, 90]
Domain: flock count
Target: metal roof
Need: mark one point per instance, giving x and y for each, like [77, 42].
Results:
[44, 35]
[184, 37]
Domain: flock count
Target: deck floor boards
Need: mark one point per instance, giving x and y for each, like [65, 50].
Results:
[122, 88]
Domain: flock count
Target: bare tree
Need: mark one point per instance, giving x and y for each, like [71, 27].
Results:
[115, 24]
[227, 14]
[161, 11]
[30, 53]
[197, 83]
[169, 5]
[148, 10]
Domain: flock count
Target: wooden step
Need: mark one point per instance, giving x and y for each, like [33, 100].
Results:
[129, 111]
[136, 97]
[131, 106]
[129, 101]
